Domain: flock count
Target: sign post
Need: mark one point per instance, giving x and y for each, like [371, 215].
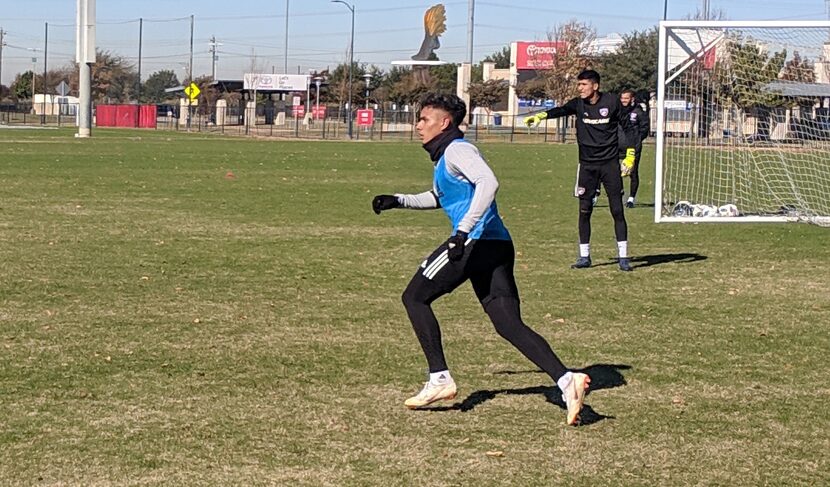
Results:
[192, 91]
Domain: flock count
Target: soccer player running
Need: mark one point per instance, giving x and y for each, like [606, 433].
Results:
[479, 249]
[597, 121]
[635, 126]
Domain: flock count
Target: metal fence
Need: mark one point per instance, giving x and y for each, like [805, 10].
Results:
[57, 115]
[266, 121]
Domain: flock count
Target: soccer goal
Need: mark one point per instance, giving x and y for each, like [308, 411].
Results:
[743, 122]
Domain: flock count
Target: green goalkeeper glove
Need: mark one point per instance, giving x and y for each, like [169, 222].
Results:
[628, 162]
[534, 120]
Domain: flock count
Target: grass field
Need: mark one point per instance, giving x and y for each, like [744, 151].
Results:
[164, 322]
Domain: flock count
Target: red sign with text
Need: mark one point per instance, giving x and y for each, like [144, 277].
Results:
[316, 111]
[365, 117]
[537, 55]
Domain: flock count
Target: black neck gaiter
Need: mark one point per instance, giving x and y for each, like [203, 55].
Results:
[439, 143]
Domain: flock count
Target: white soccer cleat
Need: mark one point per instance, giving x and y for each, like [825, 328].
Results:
[574, 395]
[431, 393]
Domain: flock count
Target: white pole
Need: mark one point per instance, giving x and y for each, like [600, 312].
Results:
[85, 56]
[661, 120]
[317, 110]
[307, 109]
[34, 72]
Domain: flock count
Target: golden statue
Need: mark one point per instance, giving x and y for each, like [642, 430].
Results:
[435, 24]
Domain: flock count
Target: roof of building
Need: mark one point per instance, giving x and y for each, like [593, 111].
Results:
[798, 89]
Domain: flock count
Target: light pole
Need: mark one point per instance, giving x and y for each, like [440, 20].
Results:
[368, 78]
[308, 94]
[665, 8]
[317, 82]
[351, 61]
[34, 67]
[34, 90]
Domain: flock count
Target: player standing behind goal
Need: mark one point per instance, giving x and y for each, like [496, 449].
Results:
[634, 129]
[479, 249]
[597, 121]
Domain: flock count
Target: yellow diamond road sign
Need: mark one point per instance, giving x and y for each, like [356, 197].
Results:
[192, 91]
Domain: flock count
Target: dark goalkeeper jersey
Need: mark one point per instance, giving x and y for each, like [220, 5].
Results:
[596, 126]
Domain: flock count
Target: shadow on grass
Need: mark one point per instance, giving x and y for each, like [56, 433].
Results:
[600, 204]
[650, 260]
[603, 376]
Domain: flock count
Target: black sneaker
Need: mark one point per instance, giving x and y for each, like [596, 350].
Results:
[625, 265]
[581, 263]
[629, 204]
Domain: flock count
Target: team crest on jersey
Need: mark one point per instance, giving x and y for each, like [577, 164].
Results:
[633, 116]
[580, 191]
[603, 112]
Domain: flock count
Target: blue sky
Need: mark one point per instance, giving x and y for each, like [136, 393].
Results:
[252, 32]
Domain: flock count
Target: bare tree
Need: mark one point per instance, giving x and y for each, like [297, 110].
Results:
[570, 59]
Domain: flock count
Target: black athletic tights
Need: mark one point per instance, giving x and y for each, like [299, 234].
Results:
[505, 314]
[615, 204]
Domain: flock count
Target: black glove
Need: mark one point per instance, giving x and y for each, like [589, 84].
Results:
[384, 202]
[455, 246]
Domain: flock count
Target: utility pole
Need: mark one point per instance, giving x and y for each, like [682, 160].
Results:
[45, 52]
[190, 66]
[140, 36]
[213, 56]
[2, 43]
[285, 67]
[190, 76]
[351, 65]
[471, 9]
[705, 10]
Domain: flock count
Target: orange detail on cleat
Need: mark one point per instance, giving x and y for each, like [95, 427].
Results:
[574, 396]
[431, 393]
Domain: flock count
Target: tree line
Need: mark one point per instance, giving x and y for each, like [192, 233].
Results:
[633, 65]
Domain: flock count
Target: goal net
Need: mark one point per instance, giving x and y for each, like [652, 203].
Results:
[743, 122]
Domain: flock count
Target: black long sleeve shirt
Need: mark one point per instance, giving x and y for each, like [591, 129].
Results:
[596, 126]
[634, 127]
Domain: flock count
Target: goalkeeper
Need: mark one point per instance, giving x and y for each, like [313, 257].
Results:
[597, 122]
[634, 128]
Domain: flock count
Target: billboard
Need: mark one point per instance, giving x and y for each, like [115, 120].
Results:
[537, 55]
[275, 82]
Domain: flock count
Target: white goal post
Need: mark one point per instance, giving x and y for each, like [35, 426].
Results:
[743, 122]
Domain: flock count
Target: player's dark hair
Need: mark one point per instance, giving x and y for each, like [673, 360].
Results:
[451, 104]
[590, 75]
[630, 92]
